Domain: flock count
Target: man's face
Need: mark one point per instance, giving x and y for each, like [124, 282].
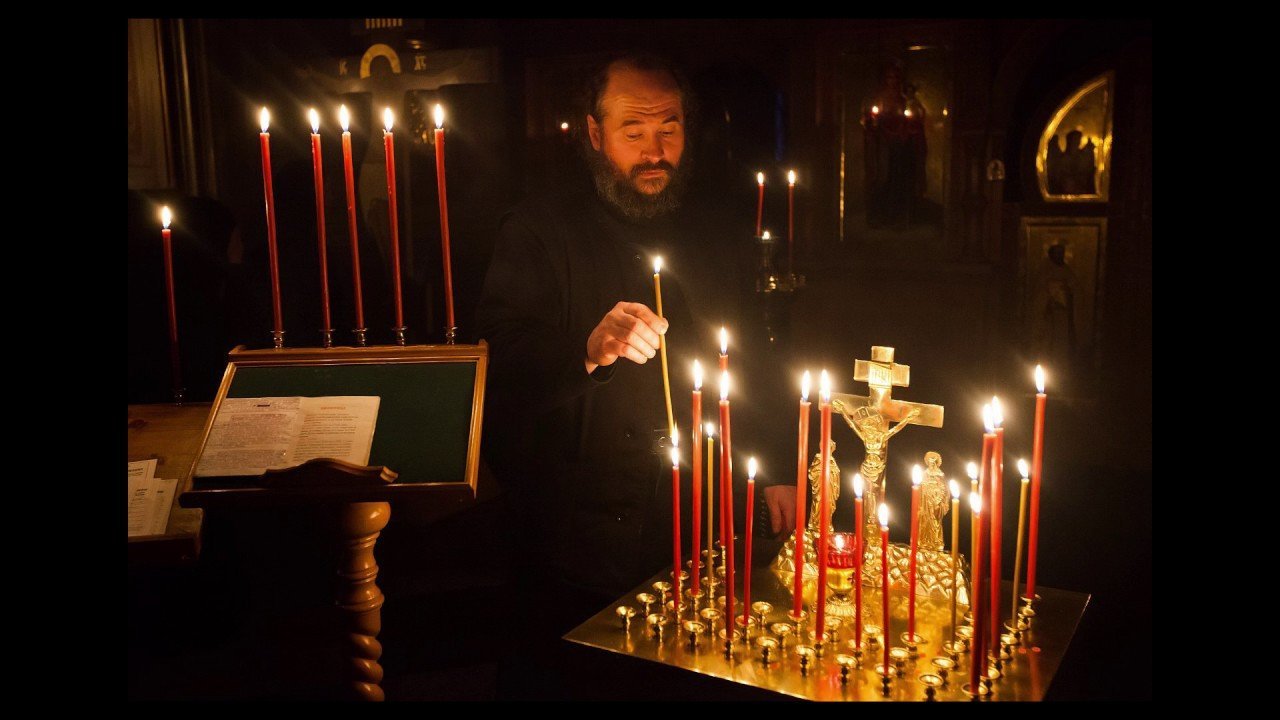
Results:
[642, 131]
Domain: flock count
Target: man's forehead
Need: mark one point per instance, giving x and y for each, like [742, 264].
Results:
[639, 93]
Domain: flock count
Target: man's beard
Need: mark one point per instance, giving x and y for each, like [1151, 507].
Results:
[619, 189]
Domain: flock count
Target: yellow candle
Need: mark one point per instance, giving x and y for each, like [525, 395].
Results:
[662, 343]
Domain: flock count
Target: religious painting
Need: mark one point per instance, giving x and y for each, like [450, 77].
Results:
[1061, 273]
[895, 144]
[1073, 161]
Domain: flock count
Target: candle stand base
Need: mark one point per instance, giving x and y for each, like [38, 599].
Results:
[326, 337]
[399, 333]
[451, 335]
[360, 334]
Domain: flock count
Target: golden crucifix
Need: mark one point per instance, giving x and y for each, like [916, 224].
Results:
[870, 415]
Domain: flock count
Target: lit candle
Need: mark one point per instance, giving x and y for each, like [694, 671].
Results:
[175, 363]
[858, 550]
[264, 140]
[344, 118]
[726, 500]
[1037, 458]
[696, 457]
[711, 454]
[393, 220]
[994, 517]
[443, 197]
[977, 657]
[802, 446]
[791, 219]
[917, 476]
[317, 173]
[955, 557]
[1017, 555]
[746, 560]
[824, 507]
[759, 201]
[675, 518]
[883, 512]
[662, 341]
[724, 350]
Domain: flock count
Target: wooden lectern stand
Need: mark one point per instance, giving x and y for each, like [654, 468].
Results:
[426, 445]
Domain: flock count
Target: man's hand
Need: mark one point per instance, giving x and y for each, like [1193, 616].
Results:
[629, 330]
[781, 500]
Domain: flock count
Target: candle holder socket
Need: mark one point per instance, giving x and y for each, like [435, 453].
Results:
[694, 629]
[625, 613]
[955, 648]
[658, 626]
[798, 621]
[912, 641]
[695, 598]
[399, 333]
[646, 601]
[982, 691]
[805, 653]
[931, 684]
[846, 663]
[943, 667]
[663, 588]
[711, 617]
[326, 337]
[360, 336]
[781, 631]
[451, 335]
[277, 339]
[768, 646]
[761, 609]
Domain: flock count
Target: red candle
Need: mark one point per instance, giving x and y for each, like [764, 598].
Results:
[443, 196]
[759, 201]
[175, 364]
[1037, 459]
[917, 475]
[977, 658]
[264, 140]
[675, 517]
[746, 560]
[802, 446]
[344, 118]
[857, 555]
[994, 519]
[724, 350]
[791, 219]
[697, 474]
[726, 499]
[824, 506]
[884, 582]
[984, 490]
[393, 220]
[317, 172]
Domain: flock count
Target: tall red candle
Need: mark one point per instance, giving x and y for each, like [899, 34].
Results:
[264, 140]
[995, 520]
[802, 446]
[344, 118]
[393, 220]
[443, 197]
[1037, 459]
[917, 475]
[676, 565]
[317, 173]
[884, 582]
[746, 560]
[726, 499]
[175, 361]
[977, 656]
[791, 220]
[824, 506]
[984, 490]
[697, 475]
[857, 555]
[759, 201]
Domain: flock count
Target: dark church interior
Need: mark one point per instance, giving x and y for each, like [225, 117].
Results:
[975, 194]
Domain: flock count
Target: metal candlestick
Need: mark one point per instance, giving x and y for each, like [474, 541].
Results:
[781, 630]
[710, 617]
[399, 331]
[768, 646]
[943, 666]
[846, 663]
[931, 684]
[625, 613]
[658, 625]
[646, 601]
[899, 656]
[326, 337]
[694, 629]
[912, 641]
[798, 621]
[761, 609]
[806, 654]
[360, 336]
[277, 339]
[451, 335]
[663, 588]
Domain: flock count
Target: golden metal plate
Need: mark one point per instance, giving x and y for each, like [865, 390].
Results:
[1025, 677]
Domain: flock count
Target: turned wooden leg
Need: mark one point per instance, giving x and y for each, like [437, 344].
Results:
[359, 599]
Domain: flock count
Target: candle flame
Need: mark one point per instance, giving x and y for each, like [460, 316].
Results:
[166, 217]
[564, 127]
[752, 467]
[955, 489]
[791, 177]
[1039, 379]
[438, 113]
[805, 382]
[724, 385]
[697, 375]
[997, 413]
[711, 429]
[765, 235]
[657, 265]
[760, 178]
[314, 117]
[858, 484]
[724, 341]
[875, 109]
[883, 513]
[388, 118]
[975, 503]
[1023, 468]
[986, 418]
[344, 118]
[917, 476]
[972, 470]
[907, 112]
[839, 541]
[675, 436]
[824, 385]
[675, 456]
[264, 119]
